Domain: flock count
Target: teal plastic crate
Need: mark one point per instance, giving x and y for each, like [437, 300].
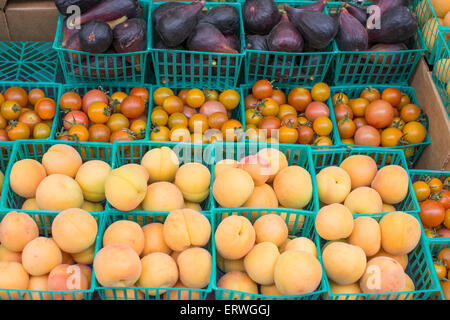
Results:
[288, 67]
[334, 136]
[420, 175]
[298, 225]
[84, 67]
[109, 89]
[412, 151]
[441, 70]
[435, 247]
[420, 269]
[383, 157]
[360, 67]
[51, 90]
[35, 149]
[28, 61]
[183, 68]
[44, 222]
[141, 293]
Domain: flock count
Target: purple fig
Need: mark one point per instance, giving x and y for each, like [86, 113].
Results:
[233, 41]
[380, 57]
[207, 38]
[315, 6]
[386, 5]
[111, 10]
[352, 35]
[130, 36]
[163, 8]
[357, 12]
[224, 17]
[260, 16]
[285, 37]
[257, 42]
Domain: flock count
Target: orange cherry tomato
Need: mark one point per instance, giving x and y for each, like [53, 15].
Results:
[30, 118]
[269, 107]
[173, 104]
[279, 96]
[70, 101]
[46, 108]
[10, 110]
[34, 95]
[210, 94]
[132, 107]
[305, 135]
[410, 112]
[230, 99]
[359, 106]
[121, 135]
[18, 131]
[322, 126]
[182, 94]
[160, 94]
[177, 119]
[138, 128]
[392, 95]
[287, 135]
[262, 89]
[299, 98]
[99, 112]
[116, 100]
[160, 134]
[79, 133]
[16, 94]
[250, 102]
[117, 121]
[180, 134]
[3, 135]
[159, 117]
[198, 123]
[99, 133]
[3, 122]
[92, 96]
[217, 119]
[232, 130]
[340, 98]
[141, 92]
[41, 131]
[370, 94]
[320, 92]
[195, 98]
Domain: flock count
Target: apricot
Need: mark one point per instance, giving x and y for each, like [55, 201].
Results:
[260, 262]
[348, 291]
[192, 205]
[139, 169]
[257, 167]
[409, 286]
[16, 230]
[227, 265]
[282, 247]
[262, 196]
[159, 270]
[175, 255]
[237, 281]
[25, 177]
[85, 256]
[293, 187]
[270, 290]
[125, 232]
[272, 228]
[223, 165]
[30, 204]
[66, 277]
[276, 159]
[302, 244]
[334, 222]
[193, 179]
[392, 183]
[364, 200]
[402, 259]
[124, 294]
[235, 237]
[181, 294]
[125, 188]
[366, 234]
[40, 256]
[297, 272]
[11, 256]
[184, 228]
[117, 265]
[383, 274]
[87, 271]
[59, 192]
[38, 283]
[62, 159]
[161, 164]
[74, 230]
[233, 188]
[154, 239]
[344, 263]
[13, 276]
[92, 206]
[400, 233]
[163, 196]
[91, 177]
[388, 208]
[361, 169]
[333, 185]
[194, 265]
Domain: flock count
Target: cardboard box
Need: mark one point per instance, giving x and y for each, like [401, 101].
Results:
[4, 33]
[436, 156]
[3, 3]
[30, 20]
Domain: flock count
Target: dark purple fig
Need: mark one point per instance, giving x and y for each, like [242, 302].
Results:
[110, 10]
[317, 28]
[357, 12]
[257, 42]
[207, 38]
[175, 26]
[386, 58]
[352, 35]
[163, 8]
[73, 43]
[396, 25]
[386, 5]
[95, 36]
[315, 6]
[285, 37]
[260, 16]
[233, 42]
[67, 32]
[224, 17]
[84, 5]
[130, 36]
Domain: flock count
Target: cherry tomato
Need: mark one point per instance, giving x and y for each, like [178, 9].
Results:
[99, 133]
[397, 123]
[180, 134]
[182, 94]
[414, 132]
[269, 107]
[305, 135]
[159, 117]
[18, 131]
[211, 95]
[117, 121]
[270, 124]
[2, 98]
[75, 117]
[173, 104]
[432, 213]
[444, 256]
[303, 121]
[441, 270]
[198, 123]
[70, 101]
[410, 112]
[121, 135]
[250, 102]
[346, 128]
[160, 134]
[435, 184]
[367, 136]
[286, 109]
[177, 119]
[93, 96]
[262, 89]
[195, 98]
[232, 130]
[34, 95]
[358, 106]
[320, 92]
[99, 112]
[316, 109]
[30, 118]
[404, 101]
[422, 190]
[217, 119]
[3, 122]
[299, 98]
[322, 126]
[140, 92]
[45, 108]
[18, 95]
[79, 132]
[348, 141]
[230, 99]
[447, 219]
[290, 120]
[370, 94]
[323, 141]
[341, 111]
[278, 96]
[392, 95]
[252, 117]
[41, 131]
[444, 199]
[379, 114]
[160, 94]
[340, 98]
[116, 100]
[138, 128]
[390, 137]
[3, 135]
[10, 110]
[360, 122]
[287, 135]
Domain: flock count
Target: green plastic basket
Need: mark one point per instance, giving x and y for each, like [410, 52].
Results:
[287, 67]
[334, 136]
[383, 157]
[35, 149]
[44, 222]
[183, 68]
[412, 151]
[109, 89]
[360, 67]
[141, 293]
[80, 66]
[435, 247]
[420, 269]
[441, 70]
[28, 61]
[51, 90]
[299, 225]
[417, 175]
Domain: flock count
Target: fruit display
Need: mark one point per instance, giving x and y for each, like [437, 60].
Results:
[155, 259]
[96, 115]
[441, 257]
[27, 112]
[38, 265]
[196, 116]
[296, 115]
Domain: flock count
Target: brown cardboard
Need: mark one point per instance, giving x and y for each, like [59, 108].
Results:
[3, 3]
[436, 156]
[4, 33]
[31, 20]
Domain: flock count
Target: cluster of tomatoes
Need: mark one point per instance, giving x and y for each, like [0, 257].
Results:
[434, 199]
[194, 115]
[25, 115]
[300, 118]
[375, 118]
[97, 117]
[442, 267]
